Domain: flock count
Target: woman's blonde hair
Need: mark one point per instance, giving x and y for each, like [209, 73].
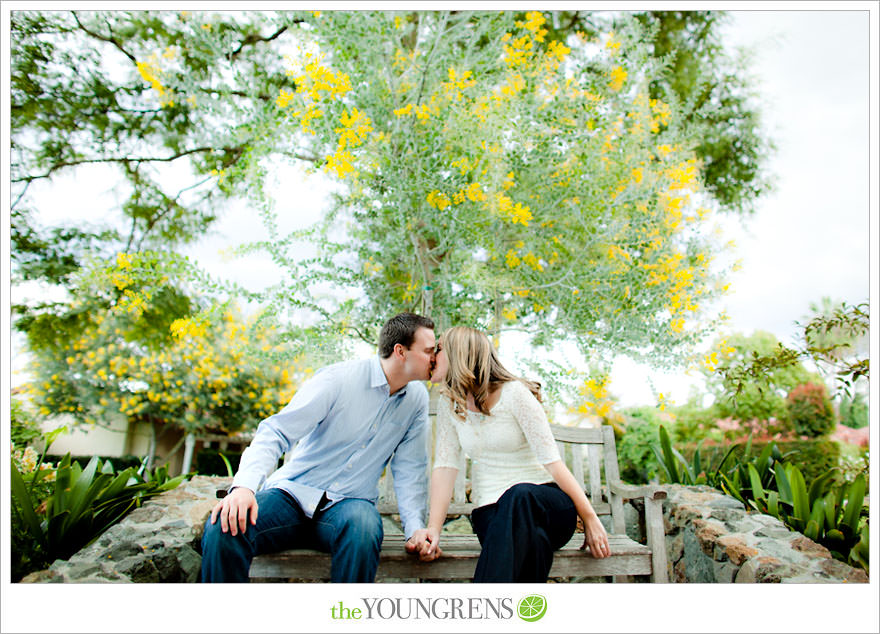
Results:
[474, 368]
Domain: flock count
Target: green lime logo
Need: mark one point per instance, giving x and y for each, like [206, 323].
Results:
[532, 607]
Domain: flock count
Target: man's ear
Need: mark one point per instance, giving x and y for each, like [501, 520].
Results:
[398, 350]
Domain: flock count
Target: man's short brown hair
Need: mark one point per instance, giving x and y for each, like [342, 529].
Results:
[401, 329]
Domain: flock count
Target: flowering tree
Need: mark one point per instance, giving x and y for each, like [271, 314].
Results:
[497, 178]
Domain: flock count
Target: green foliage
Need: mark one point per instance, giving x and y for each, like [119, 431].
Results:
[834, 516]
[826, 510]
[854, 411]
[829, 340]
[496, 177]
[24, 428]
[812, 457]
[58, 511]
[720, 104]
[150, 357]
[693, 422]
[715, 91]
[637, 462]
[810, 411]
[746, 390]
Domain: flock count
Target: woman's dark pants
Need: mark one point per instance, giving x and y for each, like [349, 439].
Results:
[520, 532]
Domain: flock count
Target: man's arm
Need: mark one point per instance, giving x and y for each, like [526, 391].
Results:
[409, 466]
[275, 435]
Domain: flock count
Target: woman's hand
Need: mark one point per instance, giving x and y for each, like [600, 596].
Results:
[595, 537]
[425, 543]
[430, 549]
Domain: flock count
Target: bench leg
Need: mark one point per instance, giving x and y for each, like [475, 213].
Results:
[656, 540]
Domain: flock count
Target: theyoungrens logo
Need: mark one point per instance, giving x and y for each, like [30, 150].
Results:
[530, 608]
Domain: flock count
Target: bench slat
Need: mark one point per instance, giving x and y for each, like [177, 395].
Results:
[460, 553]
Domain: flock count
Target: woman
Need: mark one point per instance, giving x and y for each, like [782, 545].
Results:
[522, 516]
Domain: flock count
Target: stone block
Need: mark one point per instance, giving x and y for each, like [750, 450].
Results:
[698, 567]
[675, 548]
[733, 548]
[839, 570]
[684, 514]
[725, 572]
[707, 532]
[766, 569]
[139, 569]
[679, 574]
[810, 548]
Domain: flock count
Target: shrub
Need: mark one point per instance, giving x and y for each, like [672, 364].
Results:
[854, 411]
[635, 458]
[693, 422]
[24, 428]
[60, 509]
[810, 410]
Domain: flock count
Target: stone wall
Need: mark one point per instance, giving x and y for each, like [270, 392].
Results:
[158, 542]
[710, 538]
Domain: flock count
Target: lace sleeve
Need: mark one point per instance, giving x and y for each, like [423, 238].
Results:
[532, 419]
[447, 449]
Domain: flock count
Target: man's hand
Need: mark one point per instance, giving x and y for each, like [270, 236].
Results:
[426, 543]
[233, 511]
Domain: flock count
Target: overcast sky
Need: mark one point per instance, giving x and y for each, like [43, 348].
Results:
[808, 239]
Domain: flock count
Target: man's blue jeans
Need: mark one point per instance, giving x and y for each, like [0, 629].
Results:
[350, 530]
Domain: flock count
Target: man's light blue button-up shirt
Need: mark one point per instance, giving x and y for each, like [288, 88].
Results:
[347, 428]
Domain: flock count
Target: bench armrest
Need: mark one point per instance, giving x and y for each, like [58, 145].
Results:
[630, 491]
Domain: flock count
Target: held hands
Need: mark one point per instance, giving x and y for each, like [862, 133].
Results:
[234, 509]
[425, 542]
[595, 537]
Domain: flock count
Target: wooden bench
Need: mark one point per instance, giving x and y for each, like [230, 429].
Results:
[460, 552]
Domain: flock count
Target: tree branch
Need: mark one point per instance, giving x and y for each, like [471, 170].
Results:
[120, 159]
[252, 38]
[103, 38]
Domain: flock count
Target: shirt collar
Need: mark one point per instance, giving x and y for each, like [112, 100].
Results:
[378, 379]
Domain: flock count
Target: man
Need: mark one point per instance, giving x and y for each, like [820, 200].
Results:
[350, 419]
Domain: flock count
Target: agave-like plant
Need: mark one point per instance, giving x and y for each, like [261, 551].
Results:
[84, 502]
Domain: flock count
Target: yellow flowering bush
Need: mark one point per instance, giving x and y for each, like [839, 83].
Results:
[210, 369]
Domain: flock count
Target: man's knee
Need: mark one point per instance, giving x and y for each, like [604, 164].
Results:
[215, 540]
[362, 524]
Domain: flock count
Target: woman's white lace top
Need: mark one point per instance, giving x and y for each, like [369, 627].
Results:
[506, 447]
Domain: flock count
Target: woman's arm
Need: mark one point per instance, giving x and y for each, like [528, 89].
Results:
[594, 533]
[442, 484]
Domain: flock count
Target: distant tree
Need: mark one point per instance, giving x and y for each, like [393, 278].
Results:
[761, 392]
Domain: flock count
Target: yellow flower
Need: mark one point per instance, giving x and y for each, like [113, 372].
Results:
[618, 77]
[438, 200]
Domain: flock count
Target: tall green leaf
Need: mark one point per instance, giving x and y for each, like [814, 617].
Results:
[21, 495]
[854, 502]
